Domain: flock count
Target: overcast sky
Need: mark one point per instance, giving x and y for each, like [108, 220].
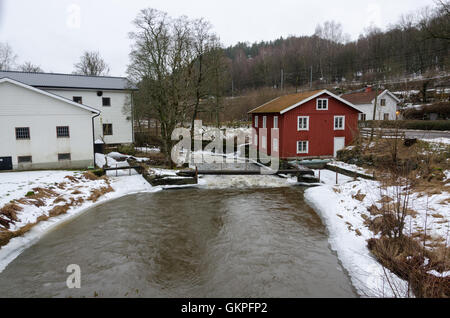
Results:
[54, 33]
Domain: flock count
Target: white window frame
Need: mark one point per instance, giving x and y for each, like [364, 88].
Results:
[256, 121]
[343, 123]
[264, 122]
[255, 140]
[275, 145]
[307, 147]
[361, 117]
[275, 121]
[383, 100]
[317, 104]
[298, 123]
[264, 142]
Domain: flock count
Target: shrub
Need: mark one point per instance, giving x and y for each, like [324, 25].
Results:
[127, 149]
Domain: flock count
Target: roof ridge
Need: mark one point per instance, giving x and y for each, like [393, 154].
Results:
[65, 74]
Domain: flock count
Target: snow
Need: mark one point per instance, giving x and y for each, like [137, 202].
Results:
[15, 185]
[349, 167]
[435, 273]
[342, 214]
[112, 160]
[367, 275]
[148, 149]
[441, 140]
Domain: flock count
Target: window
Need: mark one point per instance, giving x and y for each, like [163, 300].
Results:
[107, 129]
[339, 122]
[383, 102]
[24, 159]
[275, 145]
[264, 122]
[264, 142]
[255, 140]
[106, 101]
[23, 133]
[386, 116]
[322, 104]
[256, 121]
[63, 156]
[362, 117]
[302, 147]
[275, 122]
[78, 99]
[303, 123]
[62, 132]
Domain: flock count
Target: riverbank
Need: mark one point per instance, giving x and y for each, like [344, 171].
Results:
[354, 211]
[39, 201]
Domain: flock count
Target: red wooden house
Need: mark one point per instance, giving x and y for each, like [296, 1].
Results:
[310, 124]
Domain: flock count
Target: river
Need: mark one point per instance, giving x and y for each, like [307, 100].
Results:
[252, 242]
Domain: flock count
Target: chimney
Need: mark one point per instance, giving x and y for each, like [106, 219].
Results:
[368, 89]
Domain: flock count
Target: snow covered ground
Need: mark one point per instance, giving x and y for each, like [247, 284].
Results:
[441, 140]
[342, 208]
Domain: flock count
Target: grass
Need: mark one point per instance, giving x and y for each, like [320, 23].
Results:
[405, 257]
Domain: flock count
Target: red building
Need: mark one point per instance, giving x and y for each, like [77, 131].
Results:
[310, 124]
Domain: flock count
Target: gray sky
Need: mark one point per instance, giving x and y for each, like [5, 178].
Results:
[54, 33]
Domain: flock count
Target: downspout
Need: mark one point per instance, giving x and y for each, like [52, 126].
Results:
[132, 116]
[93, 137]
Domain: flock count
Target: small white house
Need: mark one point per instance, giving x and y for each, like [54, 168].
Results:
[41, 130]
[387, 104]
[109, 95]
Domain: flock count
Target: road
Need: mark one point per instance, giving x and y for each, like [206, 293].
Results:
[421, 134]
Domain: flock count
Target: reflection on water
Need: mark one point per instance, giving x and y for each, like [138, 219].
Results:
[189, 243]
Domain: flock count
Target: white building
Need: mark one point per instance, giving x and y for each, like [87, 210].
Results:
[387, 104]
[40, 130]
[53, 120]
[110, 95]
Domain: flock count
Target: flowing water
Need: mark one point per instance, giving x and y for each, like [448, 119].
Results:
[186, 243]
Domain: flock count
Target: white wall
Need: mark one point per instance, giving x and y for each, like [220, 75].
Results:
[390, 108]
[122, 126]
[21, 107]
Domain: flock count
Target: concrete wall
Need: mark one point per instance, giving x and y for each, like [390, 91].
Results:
[114, 114]
[21, 107]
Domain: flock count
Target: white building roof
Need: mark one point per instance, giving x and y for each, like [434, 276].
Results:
[53, 80]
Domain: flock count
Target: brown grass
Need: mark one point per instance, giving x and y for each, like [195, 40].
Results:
[359, 196]
[59, 200]
[97, 193]
[58, 210]
[72, 178]
[77, 192]
[9, 214]
[90, 176]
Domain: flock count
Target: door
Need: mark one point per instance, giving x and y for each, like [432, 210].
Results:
[339, 144]
[6, 163]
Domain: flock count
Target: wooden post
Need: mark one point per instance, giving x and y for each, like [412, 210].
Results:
[337, 181]
[196, 174]
[319, 175]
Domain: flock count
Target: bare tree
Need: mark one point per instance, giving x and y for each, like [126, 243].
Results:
[30, 68]
[7, 57]
[159, 60]
[91, 63]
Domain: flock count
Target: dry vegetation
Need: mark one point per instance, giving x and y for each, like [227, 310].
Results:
[51, 199]
[418, 169]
